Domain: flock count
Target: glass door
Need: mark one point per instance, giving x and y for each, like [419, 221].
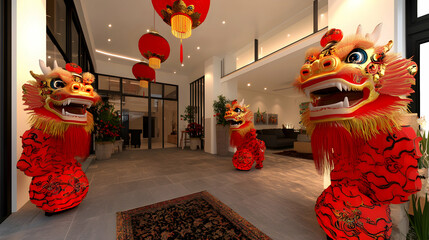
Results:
[170, 124]
[134, 121]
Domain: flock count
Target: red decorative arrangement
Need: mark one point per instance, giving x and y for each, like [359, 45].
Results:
[182, 16]
[243, 137]
[357, 90]
[60, 133]
[194, 129]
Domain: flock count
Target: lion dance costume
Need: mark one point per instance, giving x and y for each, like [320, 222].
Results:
[357, 92]
[60, 131]
[243, 137]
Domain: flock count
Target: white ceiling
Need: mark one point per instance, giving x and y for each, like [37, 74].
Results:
[245, 21]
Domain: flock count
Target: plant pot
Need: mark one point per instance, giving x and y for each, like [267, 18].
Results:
[195, 143]
[222, 140]
[103, 150]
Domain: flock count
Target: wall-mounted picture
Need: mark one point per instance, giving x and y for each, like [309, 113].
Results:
[273, 119]
[260, 118]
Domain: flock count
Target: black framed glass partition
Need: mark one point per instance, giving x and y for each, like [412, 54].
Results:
[5, 110]
[149, 115]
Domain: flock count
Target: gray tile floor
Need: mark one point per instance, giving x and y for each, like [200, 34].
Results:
[279, 199]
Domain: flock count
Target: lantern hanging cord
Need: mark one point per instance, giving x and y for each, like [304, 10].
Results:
[154, 20]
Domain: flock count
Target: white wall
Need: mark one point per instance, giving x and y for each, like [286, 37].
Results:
[28, 46]
[286, 107]
[348, 14]
[122, 70]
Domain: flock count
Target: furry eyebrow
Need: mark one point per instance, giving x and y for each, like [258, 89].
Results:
[344, 47]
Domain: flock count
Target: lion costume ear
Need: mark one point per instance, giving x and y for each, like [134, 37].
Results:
[228, 105]
[38, 77]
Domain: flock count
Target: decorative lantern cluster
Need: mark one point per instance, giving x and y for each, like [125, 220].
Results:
[182, 16]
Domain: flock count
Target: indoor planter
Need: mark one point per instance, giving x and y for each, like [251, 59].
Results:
[195, 131]
[222, 126]
[107, 125]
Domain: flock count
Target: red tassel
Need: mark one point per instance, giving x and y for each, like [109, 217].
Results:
[181, 51]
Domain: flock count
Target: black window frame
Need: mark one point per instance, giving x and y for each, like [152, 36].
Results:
[417, 32]
[149, 97]
[5, 111]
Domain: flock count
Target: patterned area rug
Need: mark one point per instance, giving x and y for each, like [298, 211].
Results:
[291, 153]
[195, 216]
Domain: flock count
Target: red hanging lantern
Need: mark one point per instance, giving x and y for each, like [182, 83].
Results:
[154, 48]
[182, 16]
[143, 73]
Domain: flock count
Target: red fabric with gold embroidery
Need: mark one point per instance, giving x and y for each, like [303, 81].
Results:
[250, 151]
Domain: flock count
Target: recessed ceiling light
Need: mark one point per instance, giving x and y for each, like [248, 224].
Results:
[198, 48]
[236, 59]
[109, 59]
[183, 65]
[265, 88]
[223, 22]
[49, 57]
[174, 72]
[288, 35]
[147, 30]
[110, 25]
[109, 40]
[189, 56]
[248, 84]
[322, 15]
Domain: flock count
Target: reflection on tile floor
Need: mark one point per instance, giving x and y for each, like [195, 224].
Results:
[279, 199]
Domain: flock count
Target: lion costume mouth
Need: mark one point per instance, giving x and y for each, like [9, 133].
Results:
[71, 109]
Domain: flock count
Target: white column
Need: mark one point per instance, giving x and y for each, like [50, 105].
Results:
[28, 46]
[212, 70]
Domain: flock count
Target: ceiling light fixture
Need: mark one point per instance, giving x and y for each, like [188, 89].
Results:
[110, 25]
[174, 72]
[183, 65]
[248, 84]
[109, 59]
[189, 56]
[118, 56]
[322, 15]
[223, 22]
[147, 30]
[288, 35]
[198, 48]
[49, 57]
[109, 39]
[265, 88]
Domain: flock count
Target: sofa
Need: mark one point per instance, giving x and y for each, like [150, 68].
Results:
[277, 138]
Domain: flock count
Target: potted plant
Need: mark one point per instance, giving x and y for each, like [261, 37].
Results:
[107, 128]
[195, 131]
[222, 126]
[423, 162]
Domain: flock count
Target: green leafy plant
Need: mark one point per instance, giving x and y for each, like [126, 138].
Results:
[107, 122]
[219, 108]
[189, 115]
[420, 220]
[424, 159]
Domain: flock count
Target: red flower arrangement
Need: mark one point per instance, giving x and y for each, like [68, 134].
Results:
[194, 129]
[107, 122]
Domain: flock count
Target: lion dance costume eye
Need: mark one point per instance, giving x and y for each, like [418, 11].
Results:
[60, 132]
[243, 137]
[357, 91]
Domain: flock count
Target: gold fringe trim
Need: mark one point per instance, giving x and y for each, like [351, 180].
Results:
[55, 128]
[242, 131]
[367, 126]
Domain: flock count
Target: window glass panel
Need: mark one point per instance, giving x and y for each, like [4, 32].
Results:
[322, 14]
[75, 44]
[156, 127]
[132, 87]
[53, 54]
[424, 76]
[156, 90]
[108, 83]
[56, 20]
[422, 7]
[170, 91]
[170, 123]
